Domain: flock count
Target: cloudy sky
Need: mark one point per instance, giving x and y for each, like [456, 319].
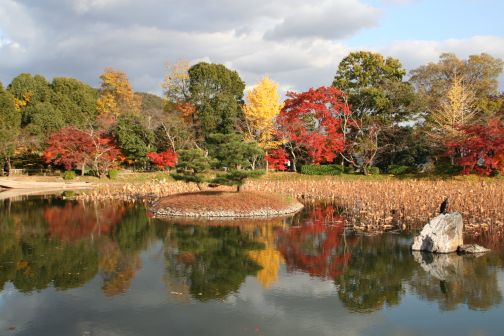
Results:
[298, 43]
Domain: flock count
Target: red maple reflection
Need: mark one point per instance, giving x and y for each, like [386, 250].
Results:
[317, 247]
[76, 221]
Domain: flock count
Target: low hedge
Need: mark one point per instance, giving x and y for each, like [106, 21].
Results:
[321, 170]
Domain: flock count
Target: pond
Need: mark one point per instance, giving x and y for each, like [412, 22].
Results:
[74, 268]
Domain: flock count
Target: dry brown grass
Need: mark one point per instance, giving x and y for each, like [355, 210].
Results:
[369, 205]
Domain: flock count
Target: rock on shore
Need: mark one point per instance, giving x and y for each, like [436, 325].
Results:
[443, 234]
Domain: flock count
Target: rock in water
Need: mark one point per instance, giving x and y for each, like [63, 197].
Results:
[472, 248]
[443, 234]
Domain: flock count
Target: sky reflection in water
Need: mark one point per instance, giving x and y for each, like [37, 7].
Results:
[72, 268]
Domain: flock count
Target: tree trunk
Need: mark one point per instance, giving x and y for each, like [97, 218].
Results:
[9, 167]
[83, 168]
[238, 188]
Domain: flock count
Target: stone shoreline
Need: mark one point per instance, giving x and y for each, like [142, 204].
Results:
[166, 212]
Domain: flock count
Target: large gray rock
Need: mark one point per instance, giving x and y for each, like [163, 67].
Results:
[443, 234]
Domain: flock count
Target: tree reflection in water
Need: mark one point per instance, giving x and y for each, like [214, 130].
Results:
[64, 244]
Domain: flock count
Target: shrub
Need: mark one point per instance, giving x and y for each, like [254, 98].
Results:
[113, 173]
[447, 169]
[69, 175]
[349, 170]
[373, 171]
[321, 170]
[399, 170]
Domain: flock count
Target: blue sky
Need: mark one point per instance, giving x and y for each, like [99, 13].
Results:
[297, 43]
[432, 20]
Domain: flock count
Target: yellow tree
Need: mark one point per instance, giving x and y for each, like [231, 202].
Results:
[263, 105]
[117, 95]
[455, 110]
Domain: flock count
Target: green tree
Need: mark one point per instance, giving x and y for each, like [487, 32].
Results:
[479, 73]
[233, 153]
[192, 166]
[10, 123]
[133, 138]
[217, 94]
[379, 99]
[75, 100]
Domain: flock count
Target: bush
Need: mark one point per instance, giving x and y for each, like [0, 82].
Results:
[373, 171]
[113, 173]
[349, 170]
[69, 175]
[321, 170]
[447, 169]
[399, 170]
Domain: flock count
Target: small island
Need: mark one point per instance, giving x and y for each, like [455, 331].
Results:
[225, 204]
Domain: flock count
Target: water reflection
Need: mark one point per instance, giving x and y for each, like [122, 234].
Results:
[66, 244]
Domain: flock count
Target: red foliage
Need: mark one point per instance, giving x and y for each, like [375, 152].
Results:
[71, 147]
[168, 158]
[68, 148]
[76, 221]
[482, 150]
[277, 159]
[316, 246]
[312, 120]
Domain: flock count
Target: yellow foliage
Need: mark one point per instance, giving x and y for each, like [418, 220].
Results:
[457, 109]
[263, 105]
[116, 94]
[21, 103]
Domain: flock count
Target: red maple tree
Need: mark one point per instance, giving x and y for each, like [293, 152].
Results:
[71, 148]
[168, 158]
[277, 159]
[311, 122]
[482, 149]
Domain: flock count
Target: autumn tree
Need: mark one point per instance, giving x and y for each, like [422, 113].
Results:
[163, 159]
[74, 148]
[480, 72]
[217, 95]
[116, 95]
[10, 123]
[262, 107]
[481, 149]
[310, 123]
[380, 99]
[455, 111]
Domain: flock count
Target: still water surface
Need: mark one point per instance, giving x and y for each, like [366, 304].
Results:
[72, 268]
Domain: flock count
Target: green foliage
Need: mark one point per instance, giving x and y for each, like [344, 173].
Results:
[75, 100]
[133, 137]
[446, 168]
[321, 170]
[192, 166]
[69, 175]
[113, 173]
[236, 177]
[373, 170]
[232, 151]
[400, 170]
[217, 94]
[10, 123]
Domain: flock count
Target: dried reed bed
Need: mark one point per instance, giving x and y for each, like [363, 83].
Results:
[367, 205]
